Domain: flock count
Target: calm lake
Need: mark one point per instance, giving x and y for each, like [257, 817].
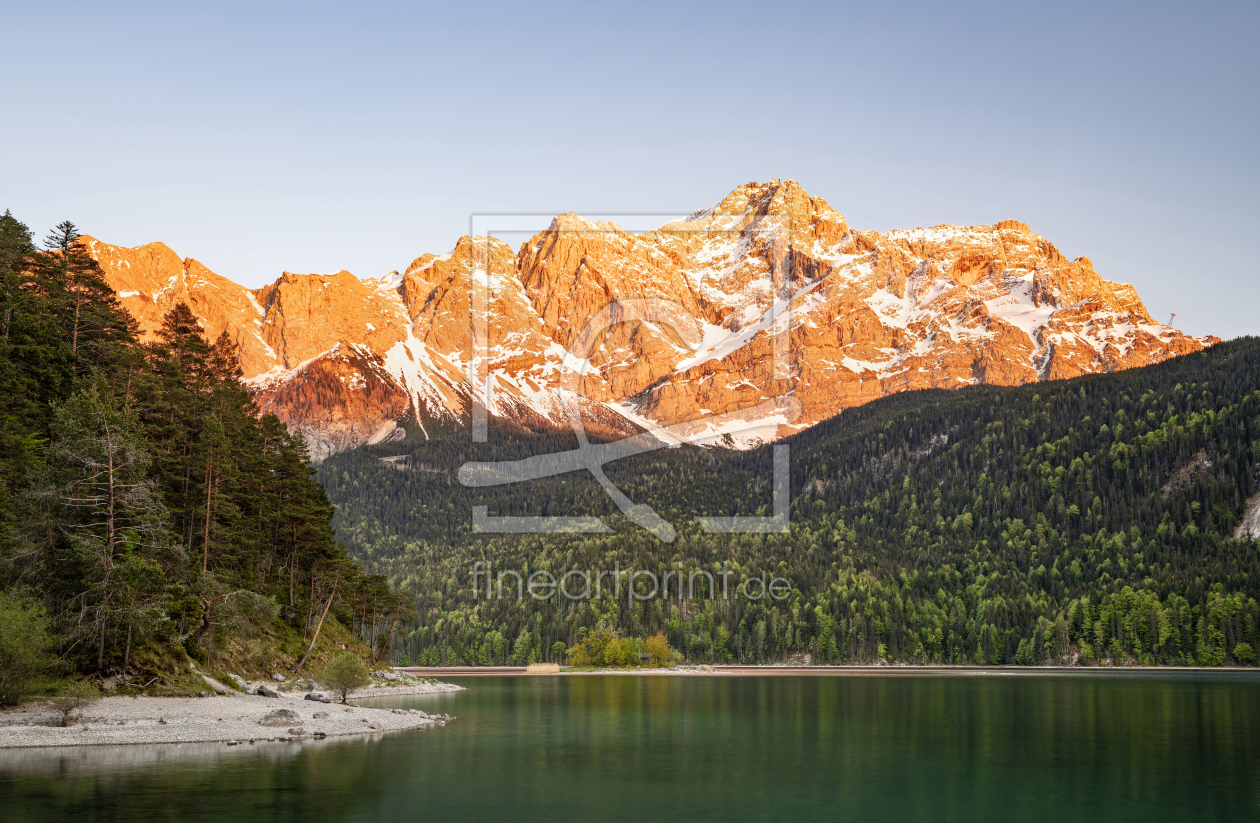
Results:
[1098, 746]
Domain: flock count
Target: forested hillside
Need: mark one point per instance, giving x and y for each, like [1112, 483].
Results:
[1082, 521]
[146, 512]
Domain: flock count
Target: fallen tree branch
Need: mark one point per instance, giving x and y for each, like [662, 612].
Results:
[318, 626]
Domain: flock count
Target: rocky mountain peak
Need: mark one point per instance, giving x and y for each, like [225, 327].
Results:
[706, 324]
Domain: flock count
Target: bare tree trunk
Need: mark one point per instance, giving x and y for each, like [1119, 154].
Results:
[390, 633]
[74, 336]
[188, 509]
[262, 523]
[205, 622]
[310, 606]
[362, 630]
[320, 625]
[292, 569]
[205, 615]
[205, 549]
[109, 514]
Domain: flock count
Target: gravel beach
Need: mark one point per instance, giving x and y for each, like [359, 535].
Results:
[220, 718]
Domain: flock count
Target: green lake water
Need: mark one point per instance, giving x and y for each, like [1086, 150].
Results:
[1102, 746]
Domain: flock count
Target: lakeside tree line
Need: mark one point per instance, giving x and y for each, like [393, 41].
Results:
[1081, 521]
[146, 510]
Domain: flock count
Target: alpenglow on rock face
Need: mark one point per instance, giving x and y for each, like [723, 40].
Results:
[771, 314]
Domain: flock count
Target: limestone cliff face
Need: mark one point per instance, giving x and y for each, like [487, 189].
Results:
[338, 401]
[871, 313]
[151, 280]
[304, 312]
[739, 324]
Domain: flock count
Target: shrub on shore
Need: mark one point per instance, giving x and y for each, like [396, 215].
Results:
[73, 696]
[26, 644]
[345, 673]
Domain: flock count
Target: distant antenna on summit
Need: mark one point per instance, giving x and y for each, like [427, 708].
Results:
[1174, 317]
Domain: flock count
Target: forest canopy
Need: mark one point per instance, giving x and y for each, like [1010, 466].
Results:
[1074, 522]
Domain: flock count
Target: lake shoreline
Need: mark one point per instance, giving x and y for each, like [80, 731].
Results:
[822, 671]
[232, 718]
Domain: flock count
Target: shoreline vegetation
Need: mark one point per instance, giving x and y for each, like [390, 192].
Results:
[826, 670]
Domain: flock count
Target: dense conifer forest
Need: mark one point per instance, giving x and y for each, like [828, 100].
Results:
[147, 513]
[1082, 522]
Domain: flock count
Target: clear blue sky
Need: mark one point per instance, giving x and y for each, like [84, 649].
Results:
[314, 137]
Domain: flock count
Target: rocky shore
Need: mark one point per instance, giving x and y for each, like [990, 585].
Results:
[221, 715]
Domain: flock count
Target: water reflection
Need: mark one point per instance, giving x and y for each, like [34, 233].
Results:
[1162, 747]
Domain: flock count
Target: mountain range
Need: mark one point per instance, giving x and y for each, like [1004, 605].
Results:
[737, 325]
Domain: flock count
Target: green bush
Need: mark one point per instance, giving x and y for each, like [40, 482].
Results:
[345, 673]
[26, 644]
[1243, 653]
[74, 695]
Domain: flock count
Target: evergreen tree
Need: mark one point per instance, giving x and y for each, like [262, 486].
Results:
[61, 239]
[102, 515]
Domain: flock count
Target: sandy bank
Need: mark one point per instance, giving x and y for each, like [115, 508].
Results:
[229, 718]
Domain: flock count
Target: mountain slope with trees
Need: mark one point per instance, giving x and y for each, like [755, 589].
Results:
[1082, 521]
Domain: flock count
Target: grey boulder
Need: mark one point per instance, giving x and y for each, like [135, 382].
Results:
[280, 717]
[267, 691]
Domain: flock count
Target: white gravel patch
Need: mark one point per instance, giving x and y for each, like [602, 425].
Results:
[230, 718]
[402, 690]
